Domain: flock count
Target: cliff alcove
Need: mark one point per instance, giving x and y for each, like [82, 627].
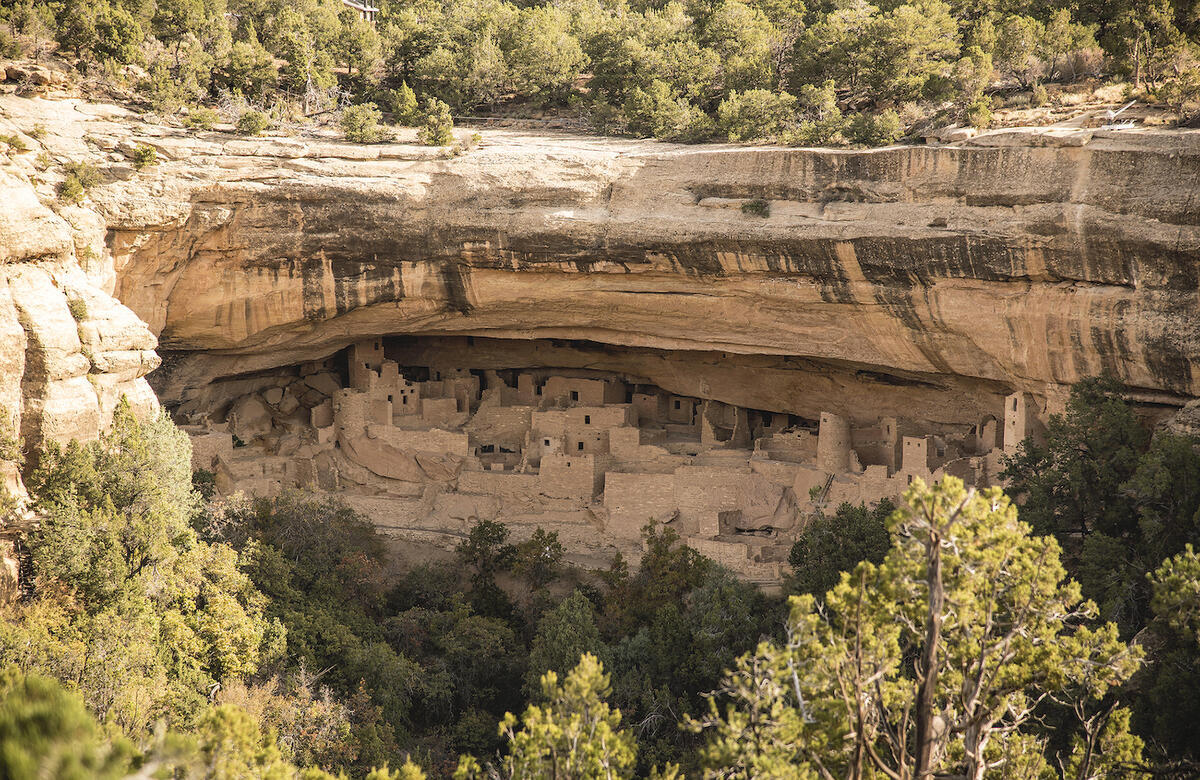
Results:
[930, 286]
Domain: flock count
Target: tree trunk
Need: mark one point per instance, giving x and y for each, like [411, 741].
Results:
[929, 656]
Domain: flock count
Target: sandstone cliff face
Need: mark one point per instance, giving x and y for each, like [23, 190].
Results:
[68, 349]
[936, 279]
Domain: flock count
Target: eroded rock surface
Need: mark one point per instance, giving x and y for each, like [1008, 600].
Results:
[68, 349]
[927, 284]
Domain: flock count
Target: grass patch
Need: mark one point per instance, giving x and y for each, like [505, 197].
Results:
[756, 208]
[78, 308]
[144, 155]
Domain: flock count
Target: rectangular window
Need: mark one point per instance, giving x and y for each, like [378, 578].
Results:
[404, 400]
[579, 446]
[587, 419]
[547, 442]
[389, 399]
[574, 395]
[539, 390]
[677, 405]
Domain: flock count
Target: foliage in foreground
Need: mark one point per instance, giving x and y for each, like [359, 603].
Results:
[985, 612]
[151, 608]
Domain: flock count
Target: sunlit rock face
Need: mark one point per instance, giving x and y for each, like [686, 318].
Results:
[1020, 263]
[778, 328]
[934, 278]
[68, 349]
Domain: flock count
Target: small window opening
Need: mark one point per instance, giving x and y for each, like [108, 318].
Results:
[579, 445]
[574, 395]
[677, 406]
[547, 442]
[404, 401]
[1014, 404]
[587, 419]
[538, 390]
[389, 399]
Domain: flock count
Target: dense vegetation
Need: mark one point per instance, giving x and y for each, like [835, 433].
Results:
[160, 633]
[829, 71]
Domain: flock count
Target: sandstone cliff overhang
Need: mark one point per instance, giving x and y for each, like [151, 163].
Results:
[1019, 260]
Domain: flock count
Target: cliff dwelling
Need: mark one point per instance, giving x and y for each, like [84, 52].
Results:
[581, 336]
[428, 435]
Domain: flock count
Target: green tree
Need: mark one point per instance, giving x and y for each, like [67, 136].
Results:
[874, 129]
[361, 123]
[308, 68]
[829, 546]
[435, 130]
[115, 508]
[574, 734]
[1167, 710]
[1017, 41]
[1072, 483]
[981, 607]
[357, 43]
[656, 111]
[45, 731]
[233, 747]
[543, 57]
[486, 548]
[118, 35]
[563, 635]
[404, 106]
[155, 617]
[539, 558]
[754, 114]
[819, 120]
[250, 70]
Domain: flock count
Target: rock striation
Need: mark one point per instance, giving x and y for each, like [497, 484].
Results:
[924, 282]
[1018, 262]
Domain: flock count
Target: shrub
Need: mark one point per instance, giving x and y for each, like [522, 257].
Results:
[820, 121]
[755, 113]
[875, 129]
[361, 124]
[403, 104]
[70, 190]
[252, 122]
[201, 118]
[43, 161]
[979, 113]
[756, 208]
[87, 174]
[1040, 96]
[78, 308]
[657, 111]
[143, 155]
[437, 124]
[15, 144]
[37, 132]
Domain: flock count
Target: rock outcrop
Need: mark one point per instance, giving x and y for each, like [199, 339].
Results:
[1015, 261]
